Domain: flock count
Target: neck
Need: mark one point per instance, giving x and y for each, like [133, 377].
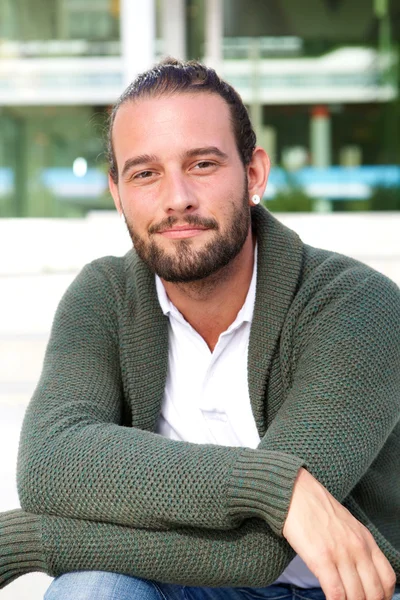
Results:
[212, 304]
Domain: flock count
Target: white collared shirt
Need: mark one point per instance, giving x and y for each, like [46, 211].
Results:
[206, 397]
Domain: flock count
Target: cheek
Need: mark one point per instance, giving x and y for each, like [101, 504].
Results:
[139, 221]
[138, 208]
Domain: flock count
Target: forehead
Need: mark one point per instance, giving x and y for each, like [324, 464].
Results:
[174, 122]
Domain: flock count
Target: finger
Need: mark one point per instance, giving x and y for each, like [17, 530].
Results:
[351, 580]
[386, 574]
[330, 581]
[371, 580]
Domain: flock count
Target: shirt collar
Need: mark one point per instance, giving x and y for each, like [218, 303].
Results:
[245, 313]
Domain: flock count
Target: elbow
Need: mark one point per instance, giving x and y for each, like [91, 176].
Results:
[32, 475]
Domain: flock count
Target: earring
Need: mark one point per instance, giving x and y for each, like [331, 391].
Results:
[255, 199]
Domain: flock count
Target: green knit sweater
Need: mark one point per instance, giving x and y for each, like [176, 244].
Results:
[100, 490]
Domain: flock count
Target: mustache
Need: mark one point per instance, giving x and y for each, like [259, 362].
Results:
[194, 220]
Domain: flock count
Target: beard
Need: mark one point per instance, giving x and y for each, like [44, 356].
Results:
[183, 263]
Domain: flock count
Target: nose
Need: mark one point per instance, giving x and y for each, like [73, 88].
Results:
[177, 195]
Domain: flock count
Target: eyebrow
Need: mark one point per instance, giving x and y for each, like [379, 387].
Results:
[148, 158]
[137, 160]
[205, 151]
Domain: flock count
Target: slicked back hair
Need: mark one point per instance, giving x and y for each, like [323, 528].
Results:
[171, 76]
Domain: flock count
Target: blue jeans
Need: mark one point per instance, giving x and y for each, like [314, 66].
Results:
[97, 585]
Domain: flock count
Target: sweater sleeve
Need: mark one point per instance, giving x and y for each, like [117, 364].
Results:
[251, 555]
[78, 461]
[342, 379]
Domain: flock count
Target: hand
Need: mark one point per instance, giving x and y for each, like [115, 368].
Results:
[337, 548]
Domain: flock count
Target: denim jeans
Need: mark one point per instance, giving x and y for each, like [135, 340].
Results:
[97, 585]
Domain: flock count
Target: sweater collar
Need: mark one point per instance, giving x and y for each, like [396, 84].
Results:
[280, 257]
[144, 330]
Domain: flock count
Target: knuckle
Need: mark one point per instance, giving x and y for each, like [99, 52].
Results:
[324, 554]
[358, 594]
[367, 534]
[336, 592]
[359, 544]
[378, 593]
[391, 579]
[389, 584]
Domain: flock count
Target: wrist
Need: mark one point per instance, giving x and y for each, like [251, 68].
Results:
[261, 485]
[21, 545]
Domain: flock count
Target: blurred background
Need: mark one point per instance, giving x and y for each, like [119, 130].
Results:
[320, 79]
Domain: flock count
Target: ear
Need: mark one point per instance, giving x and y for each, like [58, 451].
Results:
[257, 172]
[113, 187]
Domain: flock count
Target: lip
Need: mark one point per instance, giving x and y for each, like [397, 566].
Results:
[182, 232]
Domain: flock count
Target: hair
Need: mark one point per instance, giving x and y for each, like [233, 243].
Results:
[171, 76]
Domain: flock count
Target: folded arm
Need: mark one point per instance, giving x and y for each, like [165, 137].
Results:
[250, 555]
[342, 380]
[77, 459]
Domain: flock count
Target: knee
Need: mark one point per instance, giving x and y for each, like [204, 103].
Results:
[99, 585]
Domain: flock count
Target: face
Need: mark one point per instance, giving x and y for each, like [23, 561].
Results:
[182, 186]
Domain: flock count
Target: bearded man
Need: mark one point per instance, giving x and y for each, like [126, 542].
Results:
[218, 413]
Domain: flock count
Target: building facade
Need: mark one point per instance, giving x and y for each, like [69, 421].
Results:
[319, 79]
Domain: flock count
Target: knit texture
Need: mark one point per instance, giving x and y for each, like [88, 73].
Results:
[105, 492]
[21, 549]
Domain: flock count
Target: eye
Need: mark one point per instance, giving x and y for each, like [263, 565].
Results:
[204, 164]
[143, 175]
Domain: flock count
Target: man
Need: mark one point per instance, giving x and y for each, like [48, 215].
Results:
[231, 421]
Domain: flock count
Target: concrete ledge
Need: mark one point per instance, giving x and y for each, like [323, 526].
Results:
[40, 246]
[27, 587]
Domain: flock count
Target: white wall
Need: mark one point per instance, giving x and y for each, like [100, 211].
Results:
[44, 246]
